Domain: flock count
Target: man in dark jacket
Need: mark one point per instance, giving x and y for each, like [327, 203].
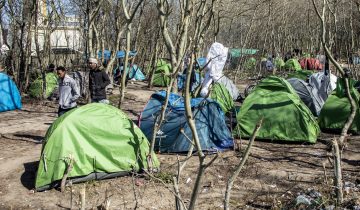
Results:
[98, 81]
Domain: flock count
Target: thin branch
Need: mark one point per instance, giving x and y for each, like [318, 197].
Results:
[240, 166]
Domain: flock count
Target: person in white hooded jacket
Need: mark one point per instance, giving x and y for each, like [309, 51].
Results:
[216, 58]
[69, 91]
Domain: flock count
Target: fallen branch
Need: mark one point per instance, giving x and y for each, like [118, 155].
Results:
[240, 166]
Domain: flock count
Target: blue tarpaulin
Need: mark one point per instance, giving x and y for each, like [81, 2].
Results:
[10, 98]
[201, 61]
[174, 135]
[135, 72]
[181, 79]
[119, 54]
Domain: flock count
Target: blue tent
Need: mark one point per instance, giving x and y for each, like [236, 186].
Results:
[181, 79]
[201, 61]
[119, 54]
[135, 72]
[174, 135]
[10, 98]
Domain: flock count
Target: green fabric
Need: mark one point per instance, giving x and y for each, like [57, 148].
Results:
[250, 64]
[337, 108]
[99, 137]
[36, 87]
[220, 94]
[279, 63]
[162, 74]
[300, 74]
[286, 117]
[236, 52]
[292, 64]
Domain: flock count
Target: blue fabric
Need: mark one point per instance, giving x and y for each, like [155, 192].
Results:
[209, 118]
[10, 98]
[201, 61]
[181, 79]
[119, 54]
[135, 73]
[356, 60]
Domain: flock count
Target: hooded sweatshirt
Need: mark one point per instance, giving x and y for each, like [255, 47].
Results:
[216, 57]
[69, 92]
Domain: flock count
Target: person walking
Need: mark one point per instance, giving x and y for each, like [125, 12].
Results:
[98, 81]
[69, 92]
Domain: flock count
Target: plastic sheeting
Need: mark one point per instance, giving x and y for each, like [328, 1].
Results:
[308, 94]
[325, 84]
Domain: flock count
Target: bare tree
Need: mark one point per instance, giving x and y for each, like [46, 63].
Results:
[351, 117]
[129, 19]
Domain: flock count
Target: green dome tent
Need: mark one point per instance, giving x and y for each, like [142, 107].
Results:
[102, 141]
[292, 64]
[337, 109]
[162, 74]
[222, 96]
[286, 117]
[279, 63]
[36, 87]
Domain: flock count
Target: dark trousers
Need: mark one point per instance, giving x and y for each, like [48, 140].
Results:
[62, 111]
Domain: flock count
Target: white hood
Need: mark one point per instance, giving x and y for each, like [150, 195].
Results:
[216, 57]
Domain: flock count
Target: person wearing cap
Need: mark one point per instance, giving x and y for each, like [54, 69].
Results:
[98, 81]
[69, 91]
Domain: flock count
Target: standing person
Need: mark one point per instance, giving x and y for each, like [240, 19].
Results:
[98, 81]
[69, 92]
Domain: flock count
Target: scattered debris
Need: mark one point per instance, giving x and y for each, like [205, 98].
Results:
[351, 187]
[139, 182]
[189, 180]
[302, 199]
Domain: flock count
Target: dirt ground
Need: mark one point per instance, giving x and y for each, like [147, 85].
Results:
[273, 177]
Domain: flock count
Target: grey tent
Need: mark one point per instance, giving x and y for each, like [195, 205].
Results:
[230, 86]
[325, 84]
[315, 93]
[308, 94]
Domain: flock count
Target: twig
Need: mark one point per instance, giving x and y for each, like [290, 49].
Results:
[71, 195]
[69, 163]
[82, 197]
[179, 205]
[134, 190]
[240, 166]
[167, 187]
